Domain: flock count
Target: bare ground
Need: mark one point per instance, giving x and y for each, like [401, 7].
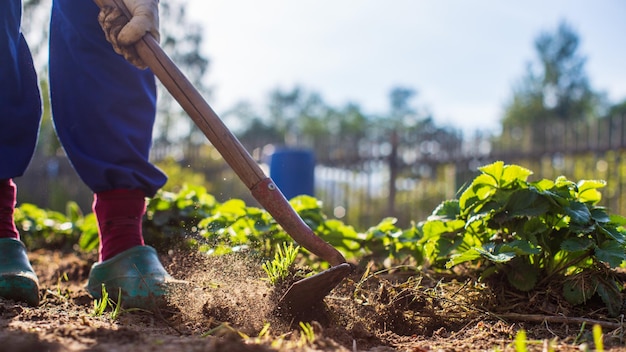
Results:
[229, 308]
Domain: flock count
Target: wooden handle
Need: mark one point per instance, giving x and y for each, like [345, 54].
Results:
[262, 187]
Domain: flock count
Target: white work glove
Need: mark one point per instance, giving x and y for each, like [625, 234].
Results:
[123, 34]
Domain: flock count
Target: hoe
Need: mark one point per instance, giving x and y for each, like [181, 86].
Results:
[303, 294]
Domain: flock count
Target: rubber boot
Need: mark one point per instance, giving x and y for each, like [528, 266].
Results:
[137, 273]
[18, 281]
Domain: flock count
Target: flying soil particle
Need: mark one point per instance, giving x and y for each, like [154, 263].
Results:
[227, 288]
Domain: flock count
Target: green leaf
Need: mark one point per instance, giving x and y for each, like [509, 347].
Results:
[543, 185]
[436, 228]
[579, 289]
[497, 257]
[618, 234]
[481, 188]
[519, 247]
[305, 202]
[578, 212]
[447, 210]
[513, 174]
[617, 220]
[493, 170]
[521, 275]
[384, 228]
[609, 292]
[236, 207]
[600, 215]
[526, 202]
[73, 211]
[563, 183]
[588, 191]
[89, 240]
[576, 244]
[611, 253]
[467, 256]
[340, 235]
[534, 226]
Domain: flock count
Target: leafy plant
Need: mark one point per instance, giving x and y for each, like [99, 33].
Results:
[278, 269]
[192, 217]
[531, 232]
[172, 218]
[41, 228]
[386, 240]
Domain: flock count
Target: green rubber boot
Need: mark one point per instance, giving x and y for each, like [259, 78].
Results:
[17, 278]
[137, 272]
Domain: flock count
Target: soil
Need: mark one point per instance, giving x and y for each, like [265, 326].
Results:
[228, 307]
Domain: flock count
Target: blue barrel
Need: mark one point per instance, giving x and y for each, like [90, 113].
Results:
[293, 171]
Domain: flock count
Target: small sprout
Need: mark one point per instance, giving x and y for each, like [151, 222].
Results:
[307, 334]
[101, 305]
[278, 268]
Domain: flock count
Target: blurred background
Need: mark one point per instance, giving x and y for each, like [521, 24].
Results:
[377, 108]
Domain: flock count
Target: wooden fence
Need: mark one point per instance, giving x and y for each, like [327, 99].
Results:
[397, 174]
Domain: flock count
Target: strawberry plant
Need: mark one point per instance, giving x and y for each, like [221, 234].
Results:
[531, 232]
[41, 228]
[192, 217]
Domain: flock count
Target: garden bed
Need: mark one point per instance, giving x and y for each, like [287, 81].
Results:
[228, 307]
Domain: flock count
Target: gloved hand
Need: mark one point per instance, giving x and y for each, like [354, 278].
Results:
[123, 34]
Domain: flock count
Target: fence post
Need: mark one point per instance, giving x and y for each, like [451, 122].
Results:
[393, 173]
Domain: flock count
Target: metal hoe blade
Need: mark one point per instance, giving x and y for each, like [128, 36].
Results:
[309, 292]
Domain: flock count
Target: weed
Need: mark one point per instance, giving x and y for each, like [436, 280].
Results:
[520, 341]
[59, 291]
[100, 305]
[307, 334]
[277, 269]
[597, 338]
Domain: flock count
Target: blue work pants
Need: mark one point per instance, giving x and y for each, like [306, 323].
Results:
[103, 107]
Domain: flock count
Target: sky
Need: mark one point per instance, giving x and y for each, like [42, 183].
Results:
[462, 57]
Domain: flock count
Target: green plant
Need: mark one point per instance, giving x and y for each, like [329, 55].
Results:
[520, 341]
[386, 240]
[597, 338]
[59, 291]
[195, 216]
[100, 305]
[307, 333]
[41, 228]
[532, 232]
[278, 269]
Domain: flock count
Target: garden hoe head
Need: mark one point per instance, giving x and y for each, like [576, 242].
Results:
[305, 293]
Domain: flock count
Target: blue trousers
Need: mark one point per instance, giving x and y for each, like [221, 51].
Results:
[103, 107]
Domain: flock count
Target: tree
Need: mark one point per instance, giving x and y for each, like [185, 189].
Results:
[296, 113]
[556, 87]
[618, 109]
[254, 131]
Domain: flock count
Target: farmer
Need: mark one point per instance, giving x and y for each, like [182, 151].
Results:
[104, 110]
